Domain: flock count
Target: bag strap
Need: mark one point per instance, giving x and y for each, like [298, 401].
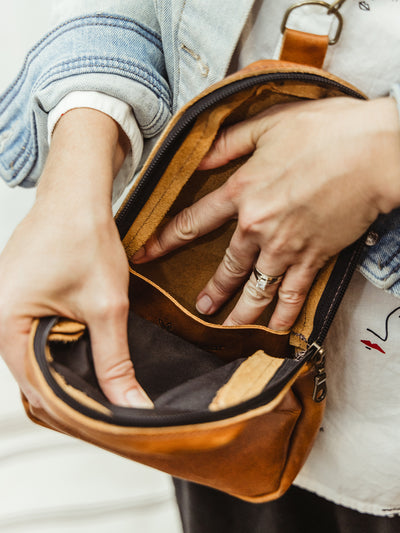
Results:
[309, 48]
[304, 48]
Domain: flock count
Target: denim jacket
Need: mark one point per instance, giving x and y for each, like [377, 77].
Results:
[153, 54]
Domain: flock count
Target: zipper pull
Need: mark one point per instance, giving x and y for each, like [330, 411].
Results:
[318, 357]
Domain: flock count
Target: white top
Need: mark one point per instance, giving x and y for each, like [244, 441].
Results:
[121, 112]
[355, 461]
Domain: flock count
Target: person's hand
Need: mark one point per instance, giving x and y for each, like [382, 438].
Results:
[319, 174]
[66, 257]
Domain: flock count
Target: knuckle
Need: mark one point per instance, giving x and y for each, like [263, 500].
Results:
[234, 267]
[253, 294]
[220, 285]
[235, 185]
[316, 261]
[293, 297]
[117, 371]
[114, 304]
[248, 222]
[252, 217]
[221, 144]
[185, 226]
[278, 247]
[155, 245]
[282, 324]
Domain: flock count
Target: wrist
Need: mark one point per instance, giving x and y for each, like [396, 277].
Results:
[87, 151]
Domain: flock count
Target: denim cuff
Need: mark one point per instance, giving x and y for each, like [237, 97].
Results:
[115, 55]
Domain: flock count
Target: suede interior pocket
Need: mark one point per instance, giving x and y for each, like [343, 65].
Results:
[176, 374]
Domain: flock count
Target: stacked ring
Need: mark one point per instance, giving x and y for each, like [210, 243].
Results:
[263, 280]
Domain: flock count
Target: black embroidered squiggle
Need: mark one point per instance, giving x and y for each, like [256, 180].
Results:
[384, 339]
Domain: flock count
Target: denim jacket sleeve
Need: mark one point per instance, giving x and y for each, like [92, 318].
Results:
[111, 46]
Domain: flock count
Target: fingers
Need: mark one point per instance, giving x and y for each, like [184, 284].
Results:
[292, 294]
[256, 296]
[238, 140]
[207, 214]
[230, 274]
[236, 267]
[231, 143]
[113, 365]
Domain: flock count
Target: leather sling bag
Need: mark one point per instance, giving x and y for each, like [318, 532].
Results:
[235, 408]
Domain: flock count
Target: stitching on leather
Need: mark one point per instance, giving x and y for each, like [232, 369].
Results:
[299, 335]
[339, 288]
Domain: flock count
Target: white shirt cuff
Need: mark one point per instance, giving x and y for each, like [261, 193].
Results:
[121, 112]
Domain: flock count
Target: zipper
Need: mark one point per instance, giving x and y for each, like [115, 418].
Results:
[320, 389]
[178, 133]
[324, 315]
[316, 354]
[326, 311]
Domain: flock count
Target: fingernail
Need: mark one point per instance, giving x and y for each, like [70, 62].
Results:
[139, 254]
[204, 304]
[138, 398]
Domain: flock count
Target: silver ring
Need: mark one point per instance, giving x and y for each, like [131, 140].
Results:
[263, 280]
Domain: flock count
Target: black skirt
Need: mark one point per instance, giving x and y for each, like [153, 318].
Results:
[205, 510]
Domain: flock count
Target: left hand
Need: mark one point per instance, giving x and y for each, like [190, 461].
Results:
[319, 174]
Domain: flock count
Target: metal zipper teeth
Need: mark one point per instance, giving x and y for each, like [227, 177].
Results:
[328, 305]
[165, 152]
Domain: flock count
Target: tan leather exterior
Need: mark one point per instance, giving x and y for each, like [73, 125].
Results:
[244, 455]
[255, 455]
[304, 48]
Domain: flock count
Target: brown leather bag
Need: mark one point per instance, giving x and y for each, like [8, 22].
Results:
[235, 408]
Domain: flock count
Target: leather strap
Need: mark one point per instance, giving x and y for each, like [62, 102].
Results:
[304, 48]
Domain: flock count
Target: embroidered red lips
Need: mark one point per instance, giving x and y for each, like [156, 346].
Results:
[373, 346]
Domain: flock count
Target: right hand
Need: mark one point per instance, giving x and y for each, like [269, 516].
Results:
[66, 259]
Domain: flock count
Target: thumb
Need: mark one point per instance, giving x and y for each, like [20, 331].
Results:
[231, 143]
[112, 362]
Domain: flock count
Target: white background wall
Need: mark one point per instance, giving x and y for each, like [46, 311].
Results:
[48, 482]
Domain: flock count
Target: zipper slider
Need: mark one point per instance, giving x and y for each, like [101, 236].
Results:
[318, 357]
